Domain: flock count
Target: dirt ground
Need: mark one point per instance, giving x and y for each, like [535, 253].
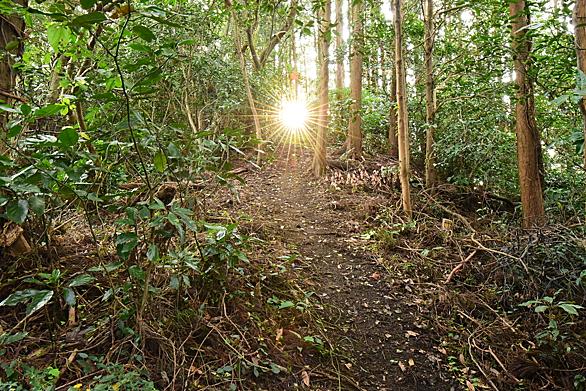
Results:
[378, 329]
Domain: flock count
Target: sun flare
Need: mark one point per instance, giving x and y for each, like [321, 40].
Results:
[293, 115]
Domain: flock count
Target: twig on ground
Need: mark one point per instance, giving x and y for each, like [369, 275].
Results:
[490, 250]
[477, 364]
[450, 212]
[459, 266]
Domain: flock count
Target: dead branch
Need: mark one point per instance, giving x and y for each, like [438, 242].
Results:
[459, 266]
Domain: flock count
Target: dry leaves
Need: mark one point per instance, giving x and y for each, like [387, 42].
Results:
[305, 378]
[279, 335]
[410, 333]
[402, 366]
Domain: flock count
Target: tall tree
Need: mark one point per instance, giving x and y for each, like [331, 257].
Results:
[355, 127]
[260, 60]
[528, 141]
[11, 47]
[393, 139]
[319, 161]
[430, 172]
[580, 38]
[403, 119]
[249, 95]
[339, 48]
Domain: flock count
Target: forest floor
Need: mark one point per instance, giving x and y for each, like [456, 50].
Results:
[375, 325]
[333, 289]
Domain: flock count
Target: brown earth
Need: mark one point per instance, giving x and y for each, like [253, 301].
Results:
[378, 329]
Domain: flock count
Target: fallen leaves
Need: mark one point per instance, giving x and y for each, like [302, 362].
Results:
[305, 378]
[410, 333]
[402, 366]
[279, 335]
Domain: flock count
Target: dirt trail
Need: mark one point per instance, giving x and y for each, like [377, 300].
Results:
[370, 316]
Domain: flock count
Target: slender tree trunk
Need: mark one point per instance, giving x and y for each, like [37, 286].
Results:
[403, 120]
[319, 160]
[354, 130]
[295, 62]
[393, 139]
[339, 49]
[580, 36]
[11, 46]
[528, 142]
[257, 128]
[382, 67]
[430, 172]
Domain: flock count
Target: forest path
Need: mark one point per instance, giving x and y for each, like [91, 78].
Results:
[378, 328]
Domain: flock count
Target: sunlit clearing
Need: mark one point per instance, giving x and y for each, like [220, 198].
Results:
[293, 115]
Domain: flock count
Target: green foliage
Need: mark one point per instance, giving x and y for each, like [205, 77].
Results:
[374, 114]
[37, 299]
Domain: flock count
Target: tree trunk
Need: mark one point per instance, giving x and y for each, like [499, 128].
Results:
[295, 63]
[319, 159]
[403, 120]
[580, 37]
[11, 47]
[528, 142]
[382, 68]
[339, 49]
[257, 128]
[11, 36]
[430, 172]
[393, 139]
[354, 130]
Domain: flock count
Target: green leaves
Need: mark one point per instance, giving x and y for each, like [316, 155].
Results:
[68, 137]
[125, 243]
[136, 272]
[37, 205]
[17, 210]
[7, 339]
[144, 33]
[47, 111]
[160, 161]
[81, 280]
[57, 34]
[36, 299]
[87, 4]
[570, 308]
[89, 19]
[153, 253]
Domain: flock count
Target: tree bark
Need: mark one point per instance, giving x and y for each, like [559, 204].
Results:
[260, 60]
[339, 49]
[403, 119]
[319, 159]
[393, 139]
[354, 130]
[249, 95]
[580, 38]
[11, 46]
[430, 172]
[528, 141]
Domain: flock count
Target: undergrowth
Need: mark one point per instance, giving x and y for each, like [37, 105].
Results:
[507, 305]
[154, 297]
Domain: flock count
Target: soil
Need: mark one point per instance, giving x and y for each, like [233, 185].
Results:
[377, 327]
